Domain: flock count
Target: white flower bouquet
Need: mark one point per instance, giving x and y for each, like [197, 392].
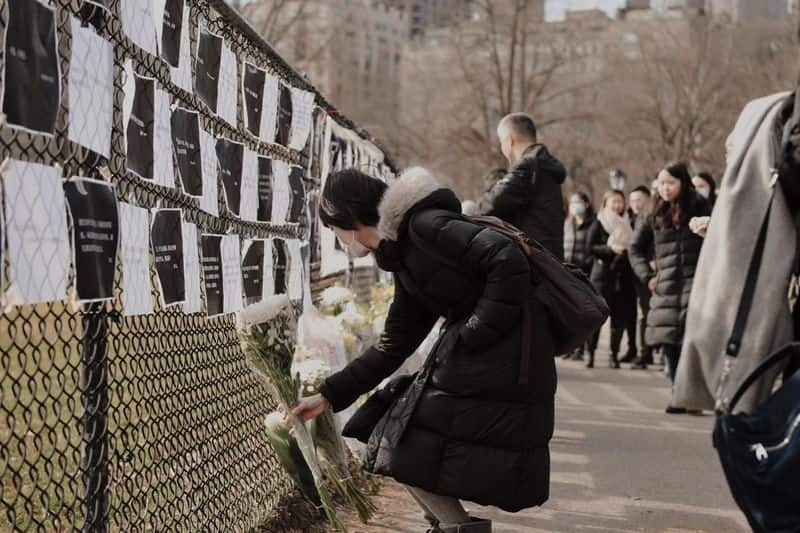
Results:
[267, 331]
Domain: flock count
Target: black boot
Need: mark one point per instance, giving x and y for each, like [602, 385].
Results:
[589, 358]
[614, 361]
[475, 525]
[630, 357]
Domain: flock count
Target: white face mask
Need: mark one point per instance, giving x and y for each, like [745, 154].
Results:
[577, 208]
[354, 248]
[704, 192]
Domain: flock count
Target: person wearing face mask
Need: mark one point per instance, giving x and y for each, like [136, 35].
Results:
[480, 427]
[607, 241]
[706, 187]
[576, 228]
[677, 249]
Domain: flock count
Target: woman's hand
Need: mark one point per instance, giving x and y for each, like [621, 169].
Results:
[699, 225]
[311, 407]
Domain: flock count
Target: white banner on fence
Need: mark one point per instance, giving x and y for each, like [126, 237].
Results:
[134, 227]
[37, 233]
[281, 192]
[249, 205]
[163, 171]
[226, 106]
[208, 155]
[139, 24]
[269, 109]
[91, 89]
[302, 109]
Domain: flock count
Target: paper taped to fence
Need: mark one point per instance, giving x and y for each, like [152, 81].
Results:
[295, 278]
[138, 112]
[297, 191]
[264, 213]
[139, 24]
[36, 232]
[283, 135]
[191, 268]
[32, 77]
[185, 126]
[281, 192]
[208, 156]
[166, 237]
[207, 69]
[250, 182]
[231, 274]
[230, 160]
[253, 97]
[253, 270]
[228, 90]
[95, 235]
[134, 251]
[302, 109]
[280, 265]
[211, 260]
[91, 89]
[269, 108]
[163, 170]
[174, 40]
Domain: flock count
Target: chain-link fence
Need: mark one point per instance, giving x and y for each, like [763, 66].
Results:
[111, 419]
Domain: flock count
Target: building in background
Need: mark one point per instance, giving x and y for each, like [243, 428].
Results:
[425, 15]
[745, 10]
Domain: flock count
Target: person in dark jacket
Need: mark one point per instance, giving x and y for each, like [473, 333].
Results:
[529, 196]
[612, 275]
[706, 187]
[576, 228]
[639, 201]
[477, 424]
[677, 250]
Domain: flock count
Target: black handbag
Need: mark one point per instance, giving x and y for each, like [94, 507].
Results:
[760, 451]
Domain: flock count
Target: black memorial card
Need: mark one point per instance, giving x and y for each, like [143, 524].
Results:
[172, 26]
[31, 84]
[230, 157]
[298, 191]
[280, 265]
[186, 147]
[253, 84]
[209, 56]
[264, 189]
[284, 115]
[95, 223]
[140, 128]
[212, 273]
[253, 272]
[336, 153]
[166, 237]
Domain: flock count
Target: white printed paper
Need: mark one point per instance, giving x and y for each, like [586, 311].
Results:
[208, 153]
[162, 161]
[182, 76]
[281, 192]
[231, 274]
[37, 233]
[269, 111]
[191, 268]
[139, 24]
[248, 211]
[295, 282]
[302, 109]
[137, 297]
[91, 89]
[226, 105]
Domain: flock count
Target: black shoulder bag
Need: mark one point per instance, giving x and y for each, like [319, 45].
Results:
[760, 451]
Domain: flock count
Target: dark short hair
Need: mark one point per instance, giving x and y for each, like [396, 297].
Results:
[351, 198]
[644, 189]
[521, 124]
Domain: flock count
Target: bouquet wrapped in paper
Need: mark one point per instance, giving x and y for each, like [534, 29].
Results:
[267, 331]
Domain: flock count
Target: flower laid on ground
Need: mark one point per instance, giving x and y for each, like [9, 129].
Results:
[268, 332]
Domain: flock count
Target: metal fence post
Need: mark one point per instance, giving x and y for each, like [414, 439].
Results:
[94, 464]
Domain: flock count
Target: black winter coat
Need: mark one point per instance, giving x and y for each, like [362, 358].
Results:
[530, 198]
[474, 433]
[576, 249]
[611, 274]
[677, 250]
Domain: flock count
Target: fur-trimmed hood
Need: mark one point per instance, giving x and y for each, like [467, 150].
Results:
[415, 188]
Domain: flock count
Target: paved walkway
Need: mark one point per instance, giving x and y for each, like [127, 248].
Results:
[619, 464]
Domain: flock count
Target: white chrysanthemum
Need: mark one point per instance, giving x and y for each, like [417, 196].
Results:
[274, 421]
[333, 296]
[312, 371]
[264, 311]
[351, 316]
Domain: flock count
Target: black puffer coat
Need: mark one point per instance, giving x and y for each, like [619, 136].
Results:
[677, 250]
[470, 431]
[576, 251]
[530, 198]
